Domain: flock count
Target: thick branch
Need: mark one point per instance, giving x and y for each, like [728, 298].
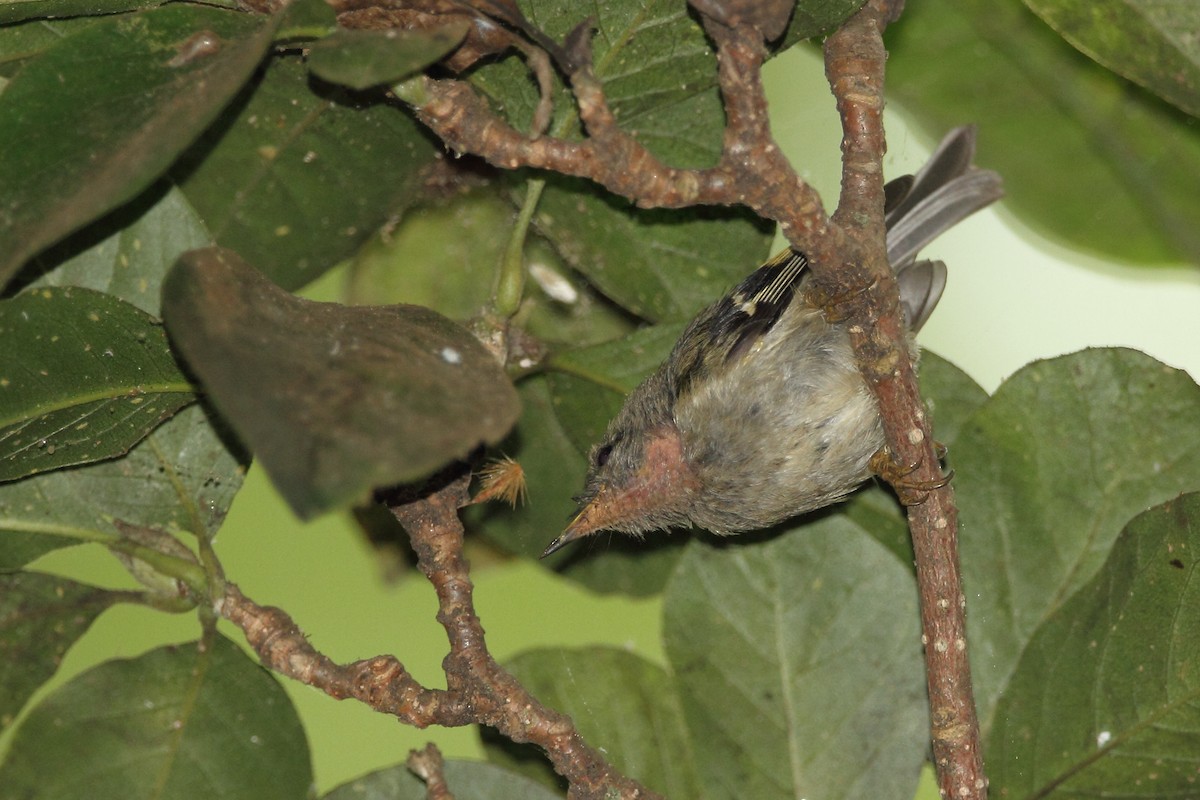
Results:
[854, 58]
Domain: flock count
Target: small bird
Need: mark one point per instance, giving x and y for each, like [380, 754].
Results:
[760, 413]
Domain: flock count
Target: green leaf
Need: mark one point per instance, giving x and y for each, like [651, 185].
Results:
[21, 42]
[20, 10]
[621, 704]
[468, 780]
[83, 378]
[301, 176]
[178, 722]
[361, 59]
[95, 119]
[1103, 702]
[335, 400]
[1049, 470]
[589, 383]
[149, 235]
[799, 666]
[41, 616]
[661, 264]
[1129, 191]
[182, 477]
[659, 76]
[1150, 43]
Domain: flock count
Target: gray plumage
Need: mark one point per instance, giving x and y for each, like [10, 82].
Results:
[760, 413]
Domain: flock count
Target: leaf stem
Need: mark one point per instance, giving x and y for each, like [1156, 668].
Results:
[510, 273]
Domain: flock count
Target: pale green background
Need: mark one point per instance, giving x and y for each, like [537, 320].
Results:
[1011, 298]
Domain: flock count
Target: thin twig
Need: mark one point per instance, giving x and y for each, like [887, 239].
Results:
[479, 691]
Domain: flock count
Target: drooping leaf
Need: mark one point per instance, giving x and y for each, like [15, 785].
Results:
[620, 703]
[361, 59]
[131, 263]
[178, 722]
[1153, 44]
[1103, 702]
[40, 617]
[83, 377]
[303, 175]
[468, 780]
[1131, 193]
[99, 116]
[799, 667]
[335, 400]
[182, 477]
[1049, 470]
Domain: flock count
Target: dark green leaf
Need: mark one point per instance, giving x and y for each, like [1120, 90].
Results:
[1049, 470]
[95, 119]
[83, 378]
[335, 400]
[620, 703]
[799, 666]
[468, 780]
[1103, 700]
[40, 617]
[1130, 191]
[178, 722]
[19, 10]
[151, 233]
[23, 41]
[301, 177]
[1153, 44]
[361, 59]
[811, 19]
[182, 477]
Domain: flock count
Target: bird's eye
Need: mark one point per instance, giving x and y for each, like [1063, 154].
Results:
[601, 457]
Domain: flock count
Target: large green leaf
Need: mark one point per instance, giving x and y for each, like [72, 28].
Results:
[178, 722]
[97, 117]
[799, 666]
[335, 400]
[1049, 471]
[1103, 702]
[1151, 43]
[621, 704]
[467, 780]
[302, 174]
[1086, 158]
[40, 617]
[182, 477]
[83, 378]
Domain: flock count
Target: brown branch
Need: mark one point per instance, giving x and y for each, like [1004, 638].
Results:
[854, 58]
[429, 766]
[479, 691]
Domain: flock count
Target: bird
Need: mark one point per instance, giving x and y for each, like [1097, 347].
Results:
[759, 413]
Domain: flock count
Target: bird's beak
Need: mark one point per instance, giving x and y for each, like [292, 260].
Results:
[591, 518]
